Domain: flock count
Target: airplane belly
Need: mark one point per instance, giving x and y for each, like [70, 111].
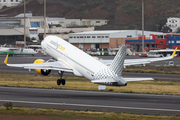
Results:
[79, 70]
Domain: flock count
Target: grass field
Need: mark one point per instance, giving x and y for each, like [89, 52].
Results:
[38, 81]
[18, 113]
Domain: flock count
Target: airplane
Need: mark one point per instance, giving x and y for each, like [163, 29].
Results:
[17, 51]
[68, 58]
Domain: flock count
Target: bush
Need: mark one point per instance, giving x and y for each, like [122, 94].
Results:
[65, 32]
[71, 31]
[8, 106]
[111, 90]
[4, 7]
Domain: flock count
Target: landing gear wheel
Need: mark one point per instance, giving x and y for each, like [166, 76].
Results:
[59, 82]
[63, 82]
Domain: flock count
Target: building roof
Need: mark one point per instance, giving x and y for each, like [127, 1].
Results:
[114, 31]
[5, 32]
[96, 32]
[55, 19]
[119, 33]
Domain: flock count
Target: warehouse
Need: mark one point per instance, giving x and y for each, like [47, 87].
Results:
[156, 42]
[106, 39]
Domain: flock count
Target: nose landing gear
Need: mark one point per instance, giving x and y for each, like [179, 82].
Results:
[61, 81]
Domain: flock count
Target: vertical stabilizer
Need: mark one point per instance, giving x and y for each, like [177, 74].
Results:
[118, 62]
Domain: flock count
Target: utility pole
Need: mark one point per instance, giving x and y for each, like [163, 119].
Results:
[24, 23]
[44, 18]
[142, 25]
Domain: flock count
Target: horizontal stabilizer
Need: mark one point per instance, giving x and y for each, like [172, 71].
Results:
[103, 81]
[137, 79]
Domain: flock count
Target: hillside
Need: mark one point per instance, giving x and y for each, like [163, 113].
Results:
[123, 14]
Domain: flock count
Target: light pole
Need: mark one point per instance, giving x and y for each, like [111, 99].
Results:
[24, 23]
[44, 18]
[142, 25]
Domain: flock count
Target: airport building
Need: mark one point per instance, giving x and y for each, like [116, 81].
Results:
[156, 42]
[106, 39]
[12, 28]
[10, 36]
[64, 22]
[174, 40]
[94, 22]
[76, 22]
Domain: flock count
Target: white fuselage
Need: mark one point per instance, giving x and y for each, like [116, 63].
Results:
[81, 63]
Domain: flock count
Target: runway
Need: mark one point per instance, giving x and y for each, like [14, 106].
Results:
[88, 100]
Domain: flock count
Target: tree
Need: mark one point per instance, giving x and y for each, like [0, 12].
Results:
[71, 31]
[4, 7]
[178, 30]
[33, 38]
[166, 29]
[58, 25]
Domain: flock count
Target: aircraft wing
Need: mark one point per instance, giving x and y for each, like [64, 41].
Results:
[129, 62]
[57, 65]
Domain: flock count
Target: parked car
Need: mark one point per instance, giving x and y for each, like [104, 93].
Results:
[171, 63]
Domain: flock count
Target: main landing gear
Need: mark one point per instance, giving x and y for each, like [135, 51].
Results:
[61, 81]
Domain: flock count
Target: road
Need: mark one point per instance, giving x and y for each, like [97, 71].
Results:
[97, 101]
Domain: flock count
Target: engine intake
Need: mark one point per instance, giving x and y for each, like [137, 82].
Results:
[45, 72]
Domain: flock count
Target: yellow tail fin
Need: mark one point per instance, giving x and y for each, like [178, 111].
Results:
[174, 52]
[5, 61]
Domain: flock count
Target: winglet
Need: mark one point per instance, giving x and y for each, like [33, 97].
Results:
[5, 61]
[174, 52]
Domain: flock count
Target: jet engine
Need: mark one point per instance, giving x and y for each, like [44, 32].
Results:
[44, 72]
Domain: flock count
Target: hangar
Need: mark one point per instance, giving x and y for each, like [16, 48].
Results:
[106, 39]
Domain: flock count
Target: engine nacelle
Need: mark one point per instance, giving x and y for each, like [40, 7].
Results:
[42, 71]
